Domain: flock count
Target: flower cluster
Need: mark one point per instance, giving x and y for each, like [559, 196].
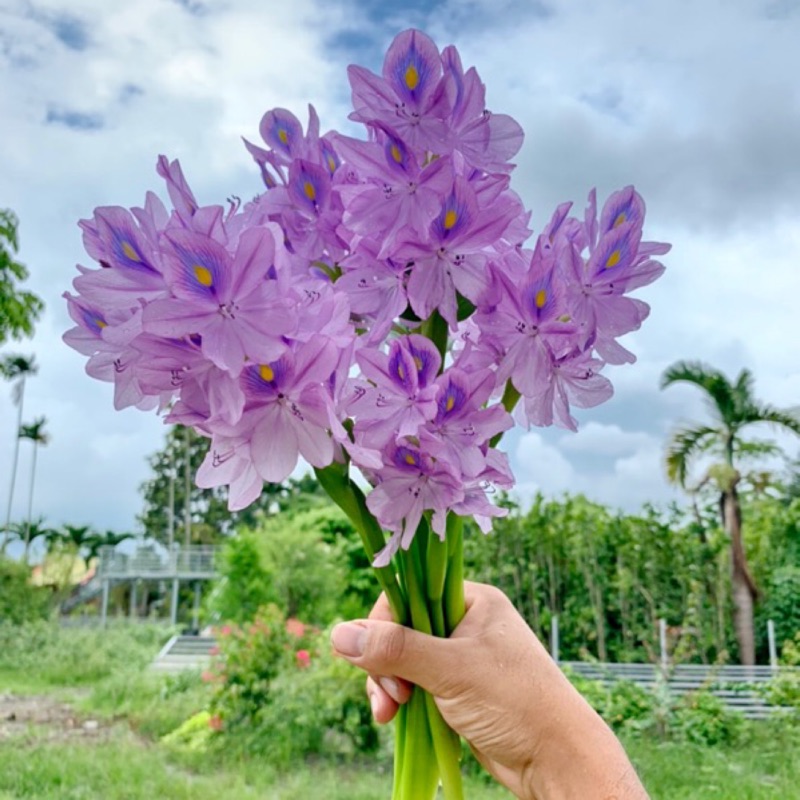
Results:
[372, 305]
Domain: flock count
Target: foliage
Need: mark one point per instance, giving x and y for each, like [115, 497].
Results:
[244, 585]
[19, 601]
[785, 689]
[609, 578]
[317, 707]
[77, 656]
[252, 656]
[19, 308]
[702, 718]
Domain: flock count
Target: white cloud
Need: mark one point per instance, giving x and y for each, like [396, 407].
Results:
[678, 105]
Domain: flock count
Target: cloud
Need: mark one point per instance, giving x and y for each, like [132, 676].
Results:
[77, 120]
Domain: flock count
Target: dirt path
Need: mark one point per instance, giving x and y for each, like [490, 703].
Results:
[45, 718]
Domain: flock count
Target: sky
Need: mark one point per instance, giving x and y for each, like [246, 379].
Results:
[695, 103]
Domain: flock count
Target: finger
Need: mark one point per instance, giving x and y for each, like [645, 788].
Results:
[382, 610]
[383, 706]
[384, 648]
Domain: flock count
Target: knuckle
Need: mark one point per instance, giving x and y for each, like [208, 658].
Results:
[392, 643]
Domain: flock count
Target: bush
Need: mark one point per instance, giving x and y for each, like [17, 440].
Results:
[278, 693]
[75, 656]
[702, 718]
[19, 601]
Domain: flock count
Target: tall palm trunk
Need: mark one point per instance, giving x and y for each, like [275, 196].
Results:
[14, 464]
[742, 585]
[30, 501]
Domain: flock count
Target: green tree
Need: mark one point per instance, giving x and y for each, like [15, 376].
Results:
[37, 434]
[18, 369]
[734, 407]
[19, 309]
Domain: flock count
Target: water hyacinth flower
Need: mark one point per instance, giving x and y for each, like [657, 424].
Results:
[377, 307]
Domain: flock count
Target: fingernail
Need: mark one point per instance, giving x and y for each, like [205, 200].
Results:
[348, 639]
[391, 687]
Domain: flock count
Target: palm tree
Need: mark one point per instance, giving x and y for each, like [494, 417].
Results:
[15, 368]
[97, 541]
[733, 408]
[36, 433]
[31, 530]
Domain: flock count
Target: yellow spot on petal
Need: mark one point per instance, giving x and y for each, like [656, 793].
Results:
[401, 373]
[100, 324]
[266, 372]
[450, 219]
[130, 253]
[331, 164]
[203, 275]
[451, 401]
[565, 318]
[396, 154]
[283, 136]
[613, 259]
[412, 77]
[418, 362]
[410, 459]
[620, 219]
[540, 299]
[309, 190]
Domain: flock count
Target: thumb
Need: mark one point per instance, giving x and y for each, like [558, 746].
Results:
[385, 648]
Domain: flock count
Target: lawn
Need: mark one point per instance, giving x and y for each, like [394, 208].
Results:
[81, 720]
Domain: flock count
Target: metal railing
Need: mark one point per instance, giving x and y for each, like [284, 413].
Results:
[198, 561]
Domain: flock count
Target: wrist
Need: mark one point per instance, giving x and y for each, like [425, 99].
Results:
[579, 758]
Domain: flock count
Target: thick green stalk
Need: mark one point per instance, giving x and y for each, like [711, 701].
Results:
[436, 574]
[420, 773]
[341, 489]
[454, 604]
[447, 745]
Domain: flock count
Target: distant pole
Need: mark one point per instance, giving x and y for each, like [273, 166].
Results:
[173, 609]
[104, 606]
[171, 501]
[187, 487]
[773, 650]
[662, 638]
[554, 643]
[133, 600]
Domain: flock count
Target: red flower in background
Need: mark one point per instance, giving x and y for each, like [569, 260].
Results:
[303, 658]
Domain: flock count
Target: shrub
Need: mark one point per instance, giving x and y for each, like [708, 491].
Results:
[702, 718]
[19, 601]
[75, 656]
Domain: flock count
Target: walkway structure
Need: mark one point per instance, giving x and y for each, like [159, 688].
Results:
[193, 564]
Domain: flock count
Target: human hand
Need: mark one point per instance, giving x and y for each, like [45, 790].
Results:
[496, 686]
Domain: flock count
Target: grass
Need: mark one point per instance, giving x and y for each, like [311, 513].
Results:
[106, 680]
[126, 768]
[765, 765]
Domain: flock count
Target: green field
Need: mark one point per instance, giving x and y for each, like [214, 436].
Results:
[69, 753]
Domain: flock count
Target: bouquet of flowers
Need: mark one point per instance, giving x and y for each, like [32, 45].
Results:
[376, 307]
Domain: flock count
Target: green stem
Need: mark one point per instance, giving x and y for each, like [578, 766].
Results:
[436, 573]
[341, 489]
[454, 604]
[447, 746]
[419, 779]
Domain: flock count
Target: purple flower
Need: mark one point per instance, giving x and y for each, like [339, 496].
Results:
[410, 484]
[402, 396]
[410, 96]
[462, 426]
[228, 301]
